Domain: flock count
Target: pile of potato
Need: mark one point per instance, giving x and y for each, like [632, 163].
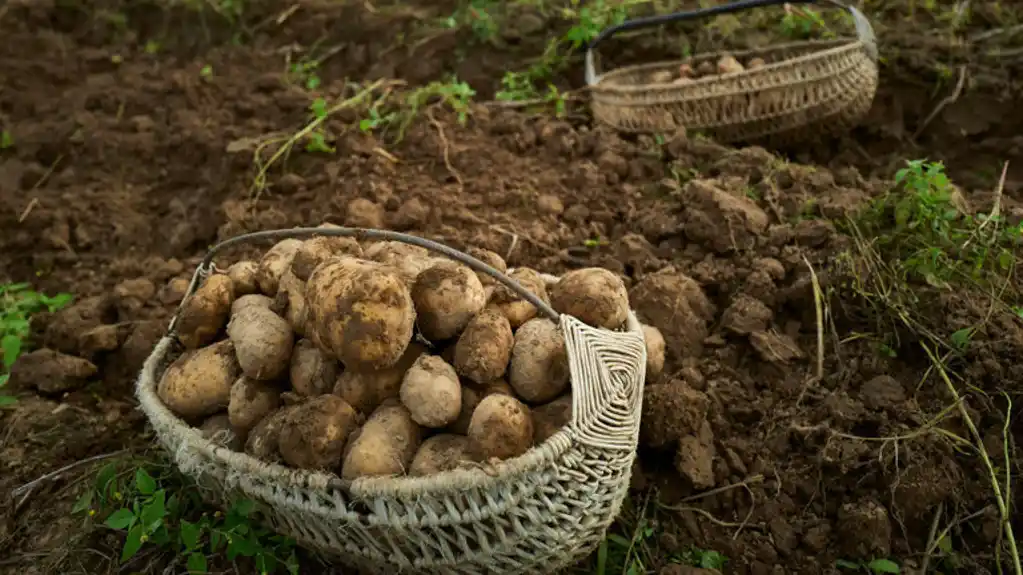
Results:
[382, 359]
[726, 64]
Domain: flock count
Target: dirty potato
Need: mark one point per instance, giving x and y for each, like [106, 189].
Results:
[539, 361]
[385, 445]
[313, 434]
[549, 418]
[654, 351]
[446, 297]
[263, 441]
[251, 401]
[262, 340]
[431, 392]
[440, 453]
[199, 382]
[315, 251]
[501, 427]
[217, 428]
[274, 263]
[311, 371]
[484, 348]
[205, 312]
[595, 296]
[243, 277]
[365, 390]
[517, 310]
[290, 303]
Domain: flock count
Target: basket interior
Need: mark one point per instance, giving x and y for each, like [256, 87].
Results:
[640, 76]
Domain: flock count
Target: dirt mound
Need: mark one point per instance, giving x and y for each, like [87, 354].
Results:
[787, 433]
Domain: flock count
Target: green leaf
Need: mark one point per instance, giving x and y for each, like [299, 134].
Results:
[602, 558]
[144, 482]
[11, 346]
[105, 477]
[153, 512]
[83, 504]
[4, 378]
[132, 544]
[265, 563]
[843, 564]
[243, 507]
[120, 519]
[7, 400]
[190, 533]
[196, 563]
[712, 560]
[945, 544]
[619, 540]
[884, 566]
[292, 564]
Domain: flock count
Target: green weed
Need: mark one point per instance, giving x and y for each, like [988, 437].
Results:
[155, 507]
[392, 114]
[877, 566]
[6, 140]
[18, 302]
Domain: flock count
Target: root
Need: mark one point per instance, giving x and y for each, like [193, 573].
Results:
[447, 149]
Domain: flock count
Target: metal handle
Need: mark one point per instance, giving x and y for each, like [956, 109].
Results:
[363, 234]
[864, 31]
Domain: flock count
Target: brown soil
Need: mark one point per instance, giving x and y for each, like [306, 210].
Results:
[124, 168]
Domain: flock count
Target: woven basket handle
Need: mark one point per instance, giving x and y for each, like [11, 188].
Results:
[363, 234]
[864, 31]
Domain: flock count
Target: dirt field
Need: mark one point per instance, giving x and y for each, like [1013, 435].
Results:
[801, 427]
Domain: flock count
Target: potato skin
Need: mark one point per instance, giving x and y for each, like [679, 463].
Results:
[470, 399]
[217, 428]
[517, 310]
[407, 259]
[262, 341]
[250, 402]
[365, 390]
[251, 300]
[263, 441]
[274, 263]
[484, 348]
[290, 303]
[199, 382]
[311, 371]
[446, 297]
[243, 277]
[594, 296]
[361, 312]
[317, 250]
[385, 445]
[491, 259]
[441, 452]
[501, 427]
[205, 312]
[313, 434]
[431, 392]
[654, 351]
[549, 418]
[539, 362]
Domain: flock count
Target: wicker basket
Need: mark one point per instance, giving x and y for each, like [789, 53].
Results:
[806, 89]
[532, 514]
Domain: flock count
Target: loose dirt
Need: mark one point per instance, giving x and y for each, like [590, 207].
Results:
[132, 131]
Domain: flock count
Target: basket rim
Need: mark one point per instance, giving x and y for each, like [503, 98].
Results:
[477, 476]
[838, 47]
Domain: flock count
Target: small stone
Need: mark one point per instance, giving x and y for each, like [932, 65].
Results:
[51, 372]
[746, 315]
[882, 391]
[550, 205]
[363, 213]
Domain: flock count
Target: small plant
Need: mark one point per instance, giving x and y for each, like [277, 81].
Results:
[6, 140]
[317, 139]
[703, 558]
[518, 87]
[206, 72]
[131, 500]
[478, 16]
[804, 23]
[305, 73]
[876, 566]
[397, 113]
[18, 302]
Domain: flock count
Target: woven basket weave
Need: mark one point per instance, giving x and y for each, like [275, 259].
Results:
[805, 90]
[532, 514]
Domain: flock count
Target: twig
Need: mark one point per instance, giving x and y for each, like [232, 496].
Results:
[996, 32]
[752, 480]
[818, 305]
[447, 148]
[28, 487]
[942, 104]
[1003, 508]
[28, 209]
[931, 542]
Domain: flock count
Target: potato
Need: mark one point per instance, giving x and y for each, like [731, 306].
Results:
[199, 382]
[517, 310]
[661, 77]
[654, 351]
[594, 296]
[263, 441]
[539, 361]
[274, 263]
[361, 312]
[409, 260]
[440, 453]
[446, 297]
[501, 427]
[484, 348]
[218, 429]
[705, 68]
[366, 390]
[384, 446]
[727, 64]
[250, 402]
[205, 312]
[257, 300]
[431, 392]
[493, 260]
[549, 418]
[290, 303]
[312, 372]
[755, 63]
[263, 342]
[498, 386]
[686, 71]
[243, 277]
[470, 399]
[317, 250]
[313, 434]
